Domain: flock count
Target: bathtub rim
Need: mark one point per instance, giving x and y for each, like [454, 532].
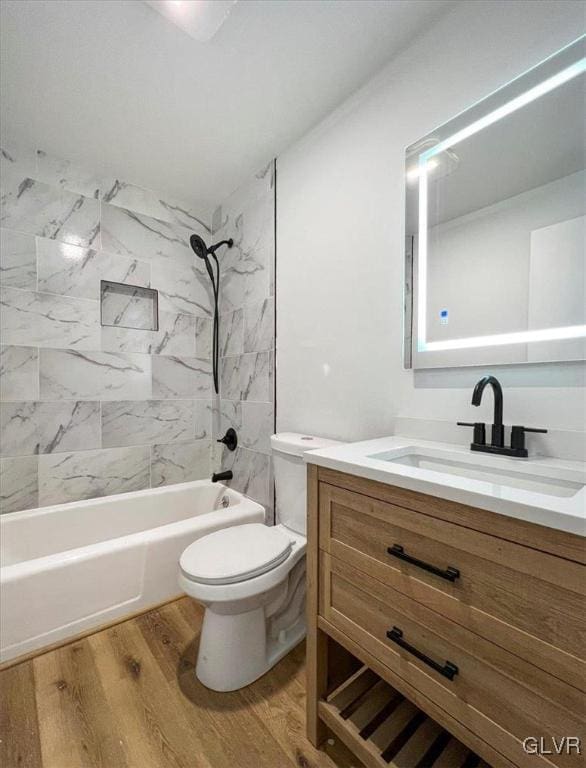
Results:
[56, 559]
[99, 501]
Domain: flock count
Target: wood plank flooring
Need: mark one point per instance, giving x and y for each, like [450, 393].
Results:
[127, 697]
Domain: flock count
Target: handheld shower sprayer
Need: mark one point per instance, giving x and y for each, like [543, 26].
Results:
[203, 252]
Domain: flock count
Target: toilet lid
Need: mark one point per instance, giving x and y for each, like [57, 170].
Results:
[235, 554]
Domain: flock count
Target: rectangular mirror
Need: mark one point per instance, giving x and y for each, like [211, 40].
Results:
[495, 226]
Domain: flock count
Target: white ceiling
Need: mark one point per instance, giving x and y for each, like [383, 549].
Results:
[113, 84]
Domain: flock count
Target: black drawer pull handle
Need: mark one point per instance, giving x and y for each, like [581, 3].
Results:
[450, 574]
[448, 670]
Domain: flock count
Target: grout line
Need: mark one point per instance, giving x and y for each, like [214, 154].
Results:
[108, 448]
[49, 293]
[100, 217]
[36, 265]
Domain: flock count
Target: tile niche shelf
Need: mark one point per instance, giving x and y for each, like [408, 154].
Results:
[129, 306]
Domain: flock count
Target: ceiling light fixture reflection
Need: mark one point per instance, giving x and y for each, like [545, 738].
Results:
[415, 173]
[200, 19]
[436, 168]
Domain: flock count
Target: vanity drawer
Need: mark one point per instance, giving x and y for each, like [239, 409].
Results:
[528, 602]
[497, 695]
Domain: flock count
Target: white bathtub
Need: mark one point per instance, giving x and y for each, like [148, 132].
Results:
[68, 568]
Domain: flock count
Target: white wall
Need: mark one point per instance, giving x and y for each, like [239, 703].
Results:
[340, 238]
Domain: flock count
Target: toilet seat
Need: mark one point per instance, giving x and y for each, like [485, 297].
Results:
[236, 554]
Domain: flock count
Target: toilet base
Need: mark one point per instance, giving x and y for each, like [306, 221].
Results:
[234, 650]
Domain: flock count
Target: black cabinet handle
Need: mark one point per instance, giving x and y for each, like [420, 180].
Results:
[450, 574]
[448, 669]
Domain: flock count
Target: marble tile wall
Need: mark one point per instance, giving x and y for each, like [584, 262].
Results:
[247, 334]
[87, 410]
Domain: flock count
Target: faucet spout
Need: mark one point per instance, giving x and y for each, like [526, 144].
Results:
[497, 444]
[498, 432]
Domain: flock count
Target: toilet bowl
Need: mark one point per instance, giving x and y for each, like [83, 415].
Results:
[251, 580]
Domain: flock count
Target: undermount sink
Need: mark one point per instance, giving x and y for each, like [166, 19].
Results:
[528, 478]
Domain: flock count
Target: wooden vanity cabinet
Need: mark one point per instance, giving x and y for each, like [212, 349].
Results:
[476, 619]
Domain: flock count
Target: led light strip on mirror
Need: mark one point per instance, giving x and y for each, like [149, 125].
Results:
[426, 164]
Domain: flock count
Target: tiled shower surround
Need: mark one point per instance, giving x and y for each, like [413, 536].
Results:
[88, 410]
[247, 333]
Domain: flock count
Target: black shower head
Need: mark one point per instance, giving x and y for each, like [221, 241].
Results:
[199, 247]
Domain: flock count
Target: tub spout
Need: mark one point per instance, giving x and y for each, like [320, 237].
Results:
[218, 476]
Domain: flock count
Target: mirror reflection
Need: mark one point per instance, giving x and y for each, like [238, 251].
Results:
[495, 226]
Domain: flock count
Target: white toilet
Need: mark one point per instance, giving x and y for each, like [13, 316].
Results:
[251, 579]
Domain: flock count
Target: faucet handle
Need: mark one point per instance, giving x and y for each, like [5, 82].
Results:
[230, 439]
[479, 431]
[518, 436]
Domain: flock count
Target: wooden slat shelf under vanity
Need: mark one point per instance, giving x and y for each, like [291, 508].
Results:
[440, 634]
[384, 729]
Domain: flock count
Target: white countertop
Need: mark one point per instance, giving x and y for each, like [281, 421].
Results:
[564, 513]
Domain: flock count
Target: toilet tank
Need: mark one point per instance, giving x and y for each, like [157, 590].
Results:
[290, 474]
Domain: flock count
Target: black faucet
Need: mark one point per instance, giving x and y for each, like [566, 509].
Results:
[219, 476]
[497, 443]
[498, 431]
